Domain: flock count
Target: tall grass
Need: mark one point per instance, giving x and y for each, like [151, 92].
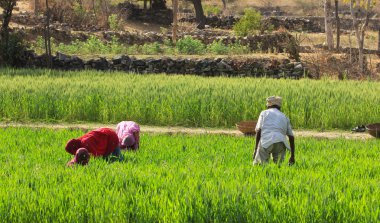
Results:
[187, 179]
[177, 100]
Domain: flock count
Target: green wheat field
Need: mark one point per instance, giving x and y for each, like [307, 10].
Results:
[177, 100]
[182, 178]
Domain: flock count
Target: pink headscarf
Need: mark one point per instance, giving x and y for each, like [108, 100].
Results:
[128, 141]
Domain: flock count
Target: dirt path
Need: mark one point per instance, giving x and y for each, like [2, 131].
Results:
[183, 130]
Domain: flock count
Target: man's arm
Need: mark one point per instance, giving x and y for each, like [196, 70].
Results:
[258, 137]
[292, 150]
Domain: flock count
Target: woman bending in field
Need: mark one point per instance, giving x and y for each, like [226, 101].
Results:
[99, 142]
[128, 133]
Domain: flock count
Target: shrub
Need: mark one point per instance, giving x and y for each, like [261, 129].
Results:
[151, 48]
[211, 10]
[249, 23]
[188, 45]
[217, 47]
[12, 51]
[115, 23]
[237, 48]
[134, 49]
[115, 46]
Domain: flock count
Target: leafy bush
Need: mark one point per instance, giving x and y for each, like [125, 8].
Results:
[92, 45]
[134, 49]
[12, 53]
[249, 23]
[211, 10]
[237, 48]
[188, 45]
[151, 48]
[115, 23]
[217, 47]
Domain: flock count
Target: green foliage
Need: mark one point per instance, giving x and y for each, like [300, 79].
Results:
[93, 45]
[183, 178]
[12, 51]
[115, 23]
[237, 48]
[38, 95]
[249, 23]
[151, 48]
[212, 10]
[218, 47]
[188, 45]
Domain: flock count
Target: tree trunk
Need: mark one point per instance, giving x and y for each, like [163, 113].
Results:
[7, 15]
[378, 42]
[201, 19]
[337, 24]
[159, 4]
[175, 20]
[94, 8]
[360, 32]
[328, 25]
[47, 36]
[36, 7]
[224, 4]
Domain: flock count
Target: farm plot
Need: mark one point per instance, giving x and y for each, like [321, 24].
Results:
[182, 178]
[51, 96]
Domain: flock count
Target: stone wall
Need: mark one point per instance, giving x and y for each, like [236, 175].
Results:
[279, 42]
[306, 24]
[253, 67]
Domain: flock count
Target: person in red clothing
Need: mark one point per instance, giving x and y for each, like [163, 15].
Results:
[81, 157]
[99, 142]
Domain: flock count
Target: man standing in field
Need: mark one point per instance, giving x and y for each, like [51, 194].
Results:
[271, 131]
[128, 133]
[99, 142]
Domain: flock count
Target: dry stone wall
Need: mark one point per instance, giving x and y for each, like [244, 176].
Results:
[253, 67]
[306, 24]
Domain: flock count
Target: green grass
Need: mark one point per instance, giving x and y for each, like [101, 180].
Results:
[199, 178]
[177, 100]
[185, 46]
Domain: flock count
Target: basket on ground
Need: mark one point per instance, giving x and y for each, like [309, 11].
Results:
[374, 129]
[247, 127]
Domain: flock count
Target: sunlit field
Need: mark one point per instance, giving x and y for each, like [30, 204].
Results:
[178, 100]
[178, 178]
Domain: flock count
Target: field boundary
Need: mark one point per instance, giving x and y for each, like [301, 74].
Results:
[185, 130]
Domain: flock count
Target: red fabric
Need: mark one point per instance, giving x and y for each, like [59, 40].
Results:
[73, 145]
[100, 142]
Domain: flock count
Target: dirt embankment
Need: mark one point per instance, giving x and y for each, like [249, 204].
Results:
[183, 130]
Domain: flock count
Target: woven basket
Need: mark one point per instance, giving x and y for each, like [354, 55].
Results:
[374, 129]
[247, 127]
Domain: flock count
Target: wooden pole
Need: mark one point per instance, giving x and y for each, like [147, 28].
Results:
[378, 42]
[337, 24]
[175, 20]
[47, 36]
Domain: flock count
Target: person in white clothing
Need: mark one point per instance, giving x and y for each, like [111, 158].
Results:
[271, 131]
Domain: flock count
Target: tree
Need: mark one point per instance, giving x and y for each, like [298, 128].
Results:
[36, 7]
[5, 47]
[328, 24]
[175, 20]
[337, 24]
[378, 43]
[7, 6]
[360, 25]
[158, 4]
[47, 36]
[199, 14]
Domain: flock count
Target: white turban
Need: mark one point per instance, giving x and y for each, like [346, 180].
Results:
[274, 100]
